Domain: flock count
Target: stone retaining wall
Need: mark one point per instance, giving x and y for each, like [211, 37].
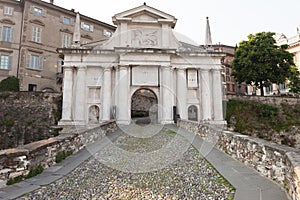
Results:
[276, 162]
[19, 161]
[272, 100]
[27, 117]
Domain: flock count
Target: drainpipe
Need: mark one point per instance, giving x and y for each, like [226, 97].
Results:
[22, 2]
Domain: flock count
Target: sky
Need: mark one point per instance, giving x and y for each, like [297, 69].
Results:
[231, 21]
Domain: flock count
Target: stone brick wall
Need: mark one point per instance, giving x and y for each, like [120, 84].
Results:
[19, 161]
[27, 117]
[276, 162]
[272, 100]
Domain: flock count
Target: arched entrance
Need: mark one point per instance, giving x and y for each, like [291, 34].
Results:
[144, 108]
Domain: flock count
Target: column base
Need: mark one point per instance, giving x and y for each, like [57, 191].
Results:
[167, 122]
[65, 123]
[71, 123]
[123, 122]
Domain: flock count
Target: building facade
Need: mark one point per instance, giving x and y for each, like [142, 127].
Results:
[30, 33]
[231, 87]
[143, 54]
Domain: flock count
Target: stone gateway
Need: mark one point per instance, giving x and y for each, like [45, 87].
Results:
[144, 53]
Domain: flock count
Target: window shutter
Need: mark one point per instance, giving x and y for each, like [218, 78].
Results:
[12, 34]
[28, 61]
[1, 33]
[82, 25]
[91, 28]
[44, 13]
[9, 62]
[61, 19]
[31, 9]
[41, 64]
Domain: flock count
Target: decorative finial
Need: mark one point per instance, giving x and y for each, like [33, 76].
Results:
[145, 4]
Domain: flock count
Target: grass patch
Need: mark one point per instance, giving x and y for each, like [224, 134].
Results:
[62, 155]
[32, 173]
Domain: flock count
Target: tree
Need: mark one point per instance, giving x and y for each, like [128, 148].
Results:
[294, 79]
[9, 84]
[260, 62]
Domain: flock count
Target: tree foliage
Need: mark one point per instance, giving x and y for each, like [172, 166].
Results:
[260, 62]
[294, 79]
[9, 84]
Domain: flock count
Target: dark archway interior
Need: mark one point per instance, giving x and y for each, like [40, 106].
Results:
[144, 106]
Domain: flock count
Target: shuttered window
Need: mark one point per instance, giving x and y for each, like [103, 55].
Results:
[5, 62]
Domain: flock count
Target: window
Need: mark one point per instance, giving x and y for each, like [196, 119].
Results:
[5, 62]
[35, 62]
[36, 34]
[107, 33]
[6, 33]
[37, 11]
[32, 87]
[87, 27]
[66, 40]
[8, 10]
[66, 20]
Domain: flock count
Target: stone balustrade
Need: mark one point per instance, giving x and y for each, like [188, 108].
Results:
[276, 162]
[19, 161]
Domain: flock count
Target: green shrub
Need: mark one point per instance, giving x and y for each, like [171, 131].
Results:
[10, 84]
[4, 95]
[15, 180]
[35, 172]
[62, 155]
[31, 174]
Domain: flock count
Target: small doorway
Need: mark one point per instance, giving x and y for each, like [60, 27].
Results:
[144, 108]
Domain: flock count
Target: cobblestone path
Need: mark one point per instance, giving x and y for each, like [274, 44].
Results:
[162, 166]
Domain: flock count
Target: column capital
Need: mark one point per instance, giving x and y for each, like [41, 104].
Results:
[122, 67]
[181, 69]
[166, 67]
[204, 70]
[107, 68]
[215, 70]
[81, 68]
[68, 67]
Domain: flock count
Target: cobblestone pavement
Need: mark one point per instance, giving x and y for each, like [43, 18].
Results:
[132, 167]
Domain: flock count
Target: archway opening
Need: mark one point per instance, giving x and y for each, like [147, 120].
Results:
[144, 108]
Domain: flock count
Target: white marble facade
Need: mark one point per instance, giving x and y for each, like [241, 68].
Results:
[100, 78]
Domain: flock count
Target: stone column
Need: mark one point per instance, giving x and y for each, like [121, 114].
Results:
[167, 96]
[217, 95]
[67, 95]
[181, 93]
[80, 103]
[106, 94]
[206, 95]
[123, 90]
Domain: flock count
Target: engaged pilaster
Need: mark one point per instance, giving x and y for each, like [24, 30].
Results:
[217, 95]
[80, 103]
[167, 98]
[181, 93]
[67, 95]
[206, 95]
[106, 113]
[123, 90]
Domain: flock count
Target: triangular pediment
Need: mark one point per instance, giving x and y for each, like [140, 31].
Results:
[144, 13]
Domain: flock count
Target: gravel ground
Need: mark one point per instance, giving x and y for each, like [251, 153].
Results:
[163, 166]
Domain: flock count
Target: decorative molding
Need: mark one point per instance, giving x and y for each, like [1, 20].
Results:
[66, 31]
[7, 21]
[38, 22]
